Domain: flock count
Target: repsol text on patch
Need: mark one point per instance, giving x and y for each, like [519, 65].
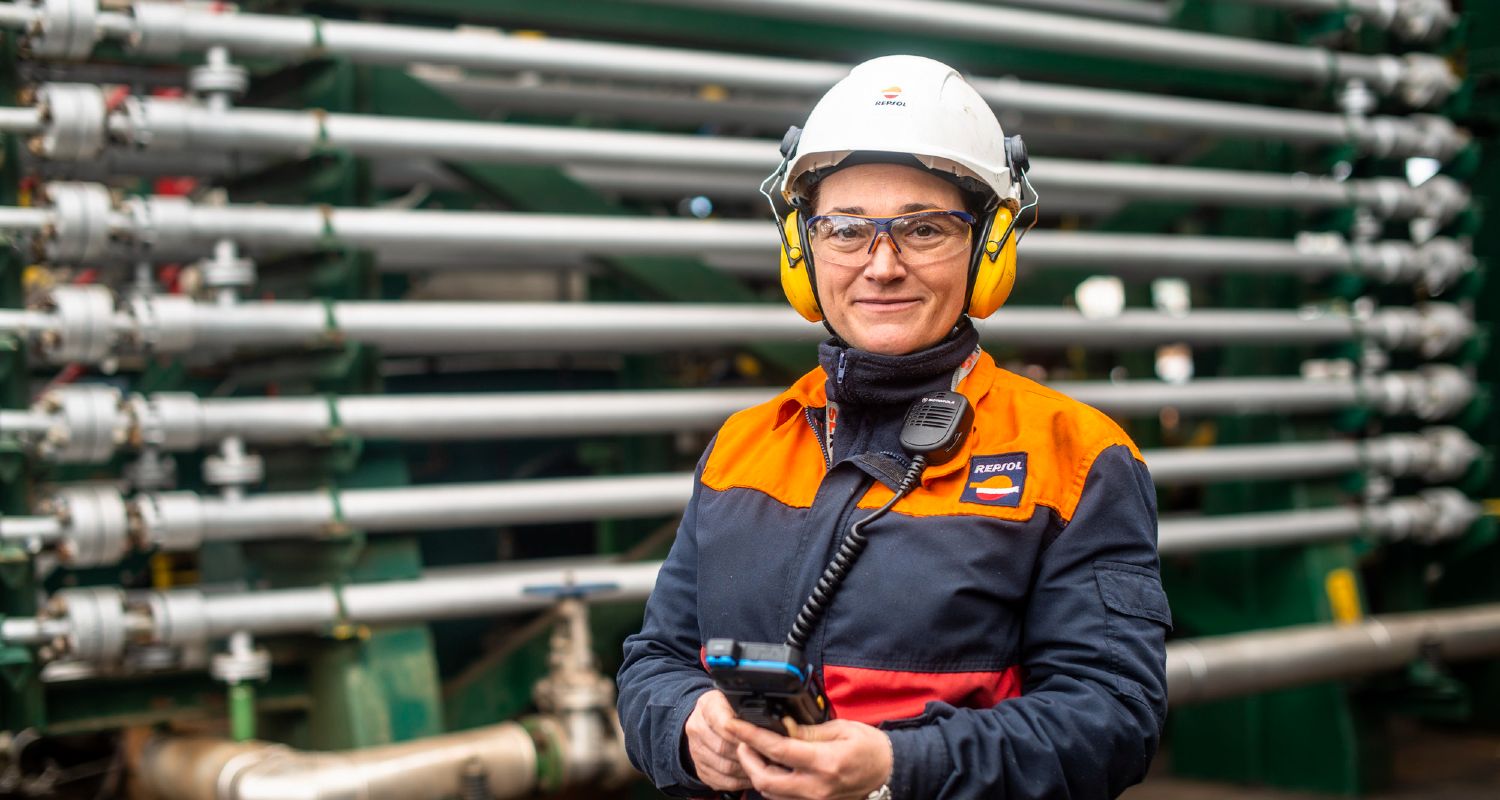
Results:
[996, 480]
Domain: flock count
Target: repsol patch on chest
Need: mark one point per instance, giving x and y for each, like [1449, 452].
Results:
[996, 480]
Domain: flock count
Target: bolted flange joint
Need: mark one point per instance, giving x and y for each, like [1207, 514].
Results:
[85, 329]
[96, 526]
[1421, 20]
[80, 233]
[1426, 80]
[1442, 262]
[96, 619]
[63, 29]
[242, 662]
[74, 122]
[91, 424]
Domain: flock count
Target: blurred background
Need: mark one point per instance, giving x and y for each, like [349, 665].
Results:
[355, 356]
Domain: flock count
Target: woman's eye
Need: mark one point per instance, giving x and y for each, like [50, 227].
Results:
[923, 230]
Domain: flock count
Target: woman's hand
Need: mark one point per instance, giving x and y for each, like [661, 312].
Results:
[712, 751]
[837, 760]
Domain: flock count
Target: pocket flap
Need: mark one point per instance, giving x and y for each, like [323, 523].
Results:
[1132, 590]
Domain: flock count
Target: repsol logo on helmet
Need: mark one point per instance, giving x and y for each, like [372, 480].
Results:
[890, 95]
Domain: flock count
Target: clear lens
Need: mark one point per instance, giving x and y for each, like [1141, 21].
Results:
[921, 238]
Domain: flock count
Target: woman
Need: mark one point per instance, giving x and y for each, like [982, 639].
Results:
[1003, 633]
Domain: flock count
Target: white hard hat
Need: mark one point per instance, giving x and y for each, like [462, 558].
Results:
[904, 106]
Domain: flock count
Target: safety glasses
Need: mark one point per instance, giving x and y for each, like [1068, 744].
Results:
[921, 237]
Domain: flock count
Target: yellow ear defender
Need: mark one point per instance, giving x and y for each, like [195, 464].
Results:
[992, 272]
[797, 278]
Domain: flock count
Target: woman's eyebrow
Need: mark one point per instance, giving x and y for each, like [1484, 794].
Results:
[906, 209]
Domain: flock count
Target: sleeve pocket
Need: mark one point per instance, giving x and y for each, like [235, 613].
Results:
[1134, 591]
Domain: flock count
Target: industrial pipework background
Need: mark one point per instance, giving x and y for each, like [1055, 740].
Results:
[346, 346]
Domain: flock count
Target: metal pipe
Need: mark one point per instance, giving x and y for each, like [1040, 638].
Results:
[180, 125]
[1144, 11]
[430, 768]
[190, 616]
[1416, 135]
[451, 595]
[1434, 515]
[1207, 534]
[96, 422]
[176, 228]
[1421, 81]
[161, 30]
[443, 506]
[181, 521]
[484, 416]
[1412, 20]
[15, 530]
[24, 424]
[176, 324]
[1210, 668]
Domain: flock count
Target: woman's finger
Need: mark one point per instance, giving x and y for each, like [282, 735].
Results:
[724, 765]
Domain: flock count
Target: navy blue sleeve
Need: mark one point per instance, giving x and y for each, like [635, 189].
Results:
[662, 678]
[1093, 656]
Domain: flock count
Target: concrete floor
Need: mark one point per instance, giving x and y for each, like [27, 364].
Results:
[1431, 764]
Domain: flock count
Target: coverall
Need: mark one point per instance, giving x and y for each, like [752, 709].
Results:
[1005, 625]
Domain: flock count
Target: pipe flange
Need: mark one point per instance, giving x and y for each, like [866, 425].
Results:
[80, 232]
[1441, 391]
[244, 470]
[241, 667]
[1442, 198]
[170, 521]
[1450, 513]
[159, 30]
[1421, 20]
[218, 78]
[170, 421]
[1444, 328]
[96, 526]
[1450, 454]
[1436, 137]
[85, 324]
[64, 29]
[227, 273]
[180, 617]
[96, 617]
[1442, 262]
[1425, 80]
[74, 122]
[93, 421]
[165, 323]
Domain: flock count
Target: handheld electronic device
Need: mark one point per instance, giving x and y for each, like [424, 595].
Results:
[767, 684]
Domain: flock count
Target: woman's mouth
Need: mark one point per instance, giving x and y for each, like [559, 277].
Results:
[887, 305]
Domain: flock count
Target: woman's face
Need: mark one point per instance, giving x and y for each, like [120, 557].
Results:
[886, 305]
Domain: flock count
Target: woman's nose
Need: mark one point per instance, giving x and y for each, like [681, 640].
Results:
[885, 264]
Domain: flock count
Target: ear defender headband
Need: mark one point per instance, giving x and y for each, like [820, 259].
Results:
[992, 260]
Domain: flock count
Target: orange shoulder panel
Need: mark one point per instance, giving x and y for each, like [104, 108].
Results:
[771, 448]
[1059, 436]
